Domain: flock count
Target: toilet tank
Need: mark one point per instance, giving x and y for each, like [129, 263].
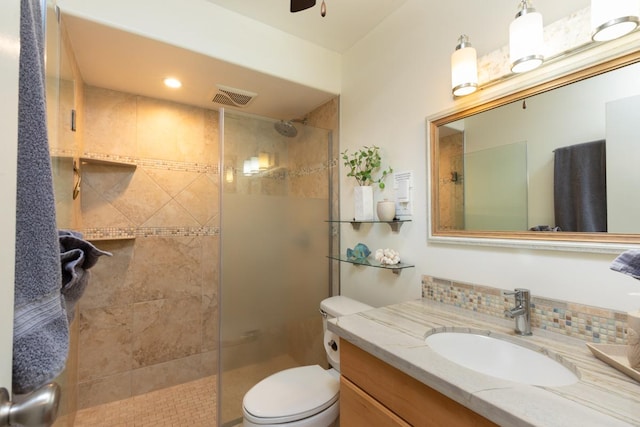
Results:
[342, 306]
[335, 307]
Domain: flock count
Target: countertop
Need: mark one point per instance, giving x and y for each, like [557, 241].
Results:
[396, 333]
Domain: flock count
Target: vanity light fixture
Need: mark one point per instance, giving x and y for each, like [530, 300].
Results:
[526, 39]
[611, 19]
[172, 82]
[464, 68]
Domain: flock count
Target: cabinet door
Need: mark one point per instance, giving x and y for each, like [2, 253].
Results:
[358, 409]
[416, 403]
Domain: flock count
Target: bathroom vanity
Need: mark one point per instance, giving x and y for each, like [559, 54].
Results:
[373, 392]
[391, 377]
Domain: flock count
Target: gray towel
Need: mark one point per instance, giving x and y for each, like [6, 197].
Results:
[628, 263]
[41, 330]
[580, 187]
[77, 256]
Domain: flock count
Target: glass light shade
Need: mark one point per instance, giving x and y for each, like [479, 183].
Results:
[255, 165]
[611, 19]
[464, 68]
[526, 41]
[229, 175]
[263, 161]
[246, 167]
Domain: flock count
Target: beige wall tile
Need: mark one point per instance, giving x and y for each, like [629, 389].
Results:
[169, 131]
[98, 212]
[104, 390]
[104, 342]
[172, 181]
[166, 374]
[111, 282]
[211, 146]
[210, 363]
[171, 215]
[200, 199]
[166, 329]
[105, 178]
[110, 122]
[138, 199]
[167, 267]
[209, 322]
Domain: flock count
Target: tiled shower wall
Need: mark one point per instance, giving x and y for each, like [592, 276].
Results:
[451, 182]
[148, 320]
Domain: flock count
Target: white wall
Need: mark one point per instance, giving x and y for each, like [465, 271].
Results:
[392, 80]
[206, 28]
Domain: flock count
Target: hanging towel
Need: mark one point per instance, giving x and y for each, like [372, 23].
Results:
[628, 263]
[77, 256]
[580, 187]
[41, 330]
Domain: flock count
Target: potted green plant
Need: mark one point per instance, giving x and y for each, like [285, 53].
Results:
[362, 165]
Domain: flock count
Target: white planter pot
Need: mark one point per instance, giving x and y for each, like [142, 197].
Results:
[363, 203]
[386, 210]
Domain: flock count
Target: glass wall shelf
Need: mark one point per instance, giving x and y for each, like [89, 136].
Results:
[395, 224]
[395, 268]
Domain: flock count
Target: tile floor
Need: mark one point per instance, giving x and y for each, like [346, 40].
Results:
[191, 404]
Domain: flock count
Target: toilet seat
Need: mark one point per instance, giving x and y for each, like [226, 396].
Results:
[291, 395]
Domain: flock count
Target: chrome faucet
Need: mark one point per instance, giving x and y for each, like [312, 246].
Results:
[521, 313]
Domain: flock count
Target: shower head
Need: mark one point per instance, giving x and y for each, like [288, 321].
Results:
[286, 128]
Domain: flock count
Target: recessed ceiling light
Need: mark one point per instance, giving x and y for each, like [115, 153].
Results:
[172, 82]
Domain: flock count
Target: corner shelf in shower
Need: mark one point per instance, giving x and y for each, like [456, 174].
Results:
[396, 268]
[395, 224]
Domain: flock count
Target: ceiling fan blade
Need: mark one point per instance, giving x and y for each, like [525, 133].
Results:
[299, 5]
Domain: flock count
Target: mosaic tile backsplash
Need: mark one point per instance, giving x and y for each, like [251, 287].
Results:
[592, 324]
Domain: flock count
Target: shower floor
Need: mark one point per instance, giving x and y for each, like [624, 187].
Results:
[190, 404]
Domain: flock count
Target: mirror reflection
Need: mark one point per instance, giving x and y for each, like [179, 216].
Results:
[560, 161]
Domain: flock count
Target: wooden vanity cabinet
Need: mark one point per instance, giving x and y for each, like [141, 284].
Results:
[373, 393]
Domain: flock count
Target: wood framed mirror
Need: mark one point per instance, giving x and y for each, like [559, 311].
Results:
[514, 171]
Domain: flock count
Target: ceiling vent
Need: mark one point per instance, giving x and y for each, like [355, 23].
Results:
[233, 97]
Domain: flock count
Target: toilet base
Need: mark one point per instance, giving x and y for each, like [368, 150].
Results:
[330, 417]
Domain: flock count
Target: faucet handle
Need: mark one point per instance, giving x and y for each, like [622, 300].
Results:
[521, 295]
[517, 291]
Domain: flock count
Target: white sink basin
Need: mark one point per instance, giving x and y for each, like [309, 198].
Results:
[500, 358]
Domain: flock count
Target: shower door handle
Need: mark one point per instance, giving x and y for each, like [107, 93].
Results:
[38, 409]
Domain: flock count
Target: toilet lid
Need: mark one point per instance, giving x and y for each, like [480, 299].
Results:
[291, 395]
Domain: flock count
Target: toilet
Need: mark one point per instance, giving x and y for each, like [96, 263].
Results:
[306, 396]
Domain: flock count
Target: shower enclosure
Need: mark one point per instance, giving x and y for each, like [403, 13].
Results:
[275, 202]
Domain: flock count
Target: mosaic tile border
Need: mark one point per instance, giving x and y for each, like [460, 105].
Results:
[592, 324]
[115, 233]
[155, 163]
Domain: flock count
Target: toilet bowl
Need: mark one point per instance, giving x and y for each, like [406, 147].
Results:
[305, 396]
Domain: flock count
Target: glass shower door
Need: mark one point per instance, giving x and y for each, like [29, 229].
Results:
[274, 243]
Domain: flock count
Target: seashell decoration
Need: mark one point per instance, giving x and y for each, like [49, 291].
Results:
[387, 256]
